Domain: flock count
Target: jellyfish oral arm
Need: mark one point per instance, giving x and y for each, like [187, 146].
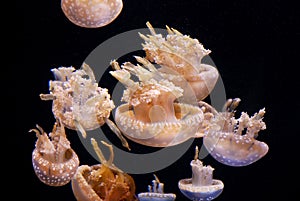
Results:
[117, 131]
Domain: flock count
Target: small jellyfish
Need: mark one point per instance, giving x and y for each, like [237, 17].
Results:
[151, 116]
[202, 186]
[53, 159]
[180, 57]
[92, 13]
[79, 102]
[103, 182]
[156, 192]
[233, 141]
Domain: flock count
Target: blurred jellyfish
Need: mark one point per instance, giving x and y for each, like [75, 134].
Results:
[91, 13]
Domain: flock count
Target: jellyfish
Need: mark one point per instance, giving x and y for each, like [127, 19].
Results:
[54, 161]
[156, 192]
[202, 186]
[91, 13]
[151, 116]
[103, 182]
[79, 102]
[180, 57]
[233, 141]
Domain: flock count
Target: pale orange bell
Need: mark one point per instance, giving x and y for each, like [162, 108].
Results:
[91, 13]
[54, 161]
[233, 141]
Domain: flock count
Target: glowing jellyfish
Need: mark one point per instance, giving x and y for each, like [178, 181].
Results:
[53, 159]
[233, 141]
[180, 57]
[91, 13]
[151, 116]
[202, 186]
[79, 102]
[103, 182]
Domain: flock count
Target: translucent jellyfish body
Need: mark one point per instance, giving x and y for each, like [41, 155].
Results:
[156, 192]
[92, 13]
[53, 159]
[151, 117]
[226, 141]
[103, 182]
[180, 58]
[79, 102]
[202, 186]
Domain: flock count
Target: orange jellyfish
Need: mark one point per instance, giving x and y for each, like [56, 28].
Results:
[54, 161]
[91, 13]
[233, 141]
[103, 182]
[181, 57]
[79, 102]
[152, 116]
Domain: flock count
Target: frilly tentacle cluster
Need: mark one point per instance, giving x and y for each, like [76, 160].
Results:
[150, 86]
[176, 51]
[180, 57]
[77, 99]
[152, 97]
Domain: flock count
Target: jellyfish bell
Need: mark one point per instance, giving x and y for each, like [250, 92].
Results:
[234, 150]
[92, 13]
[151, 116]
[53, 159]
[159, 134]
[227, 143]
[183, 55]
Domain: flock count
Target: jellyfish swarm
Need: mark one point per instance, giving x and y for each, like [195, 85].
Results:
[79, 102]
[151, 117]
[202, 186]
[225, 140]
[103, 182]
[91, 13]
[180, 59]
[54, 161]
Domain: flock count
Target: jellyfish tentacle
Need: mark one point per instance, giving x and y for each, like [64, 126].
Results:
[80, 128]
[47, 97]
[117, 131]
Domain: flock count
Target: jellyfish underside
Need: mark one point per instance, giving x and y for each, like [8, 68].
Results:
[159, 134]
[92, 13]
[103, 182]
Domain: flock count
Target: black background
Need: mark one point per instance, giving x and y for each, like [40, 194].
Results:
[254, 46]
